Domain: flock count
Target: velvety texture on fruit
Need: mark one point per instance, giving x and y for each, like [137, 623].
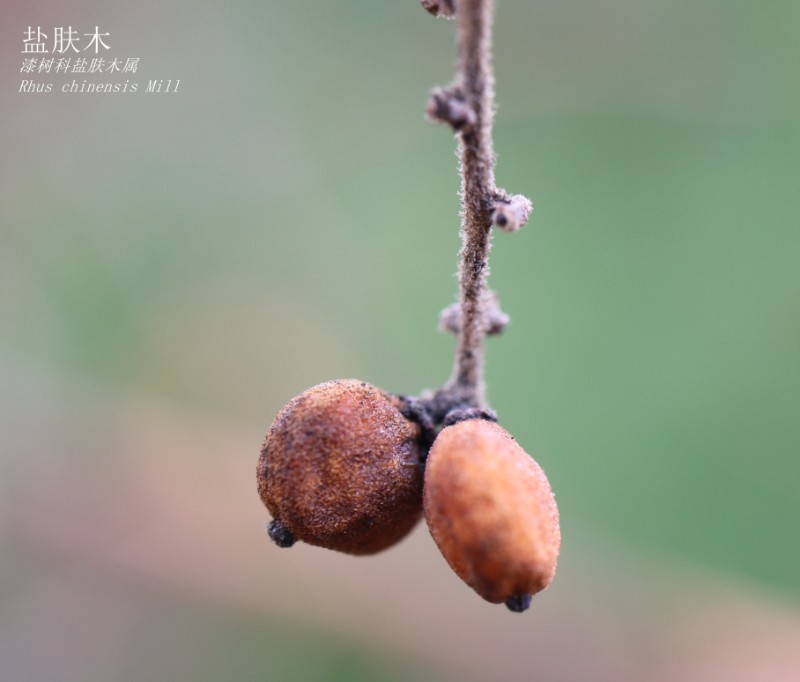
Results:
[340, 468]
[491, 511]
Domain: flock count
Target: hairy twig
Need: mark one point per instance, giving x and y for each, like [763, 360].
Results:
[467, 105]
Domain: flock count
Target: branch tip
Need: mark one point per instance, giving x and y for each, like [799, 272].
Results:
[440, 8]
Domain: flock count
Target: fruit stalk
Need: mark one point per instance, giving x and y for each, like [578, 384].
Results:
[467, 105]
[476, 154]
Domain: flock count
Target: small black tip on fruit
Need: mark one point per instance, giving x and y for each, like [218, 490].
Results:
[280, 534]
[519, 603]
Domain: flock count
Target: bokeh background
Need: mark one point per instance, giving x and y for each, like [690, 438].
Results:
[175, 267]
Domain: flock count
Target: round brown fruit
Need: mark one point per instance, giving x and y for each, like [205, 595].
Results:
[341, 468]
[492, 513]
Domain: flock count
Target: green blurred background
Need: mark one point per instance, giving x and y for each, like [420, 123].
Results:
[175, 267]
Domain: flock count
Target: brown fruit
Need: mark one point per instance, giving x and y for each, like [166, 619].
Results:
[492, 513]
[340, 468]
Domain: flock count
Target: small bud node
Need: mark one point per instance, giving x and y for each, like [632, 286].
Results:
[494, 320]
[448, 105]
[511, 212]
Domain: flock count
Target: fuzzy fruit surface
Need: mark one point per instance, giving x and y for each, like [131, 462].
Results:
[340, 468]
[491, 511]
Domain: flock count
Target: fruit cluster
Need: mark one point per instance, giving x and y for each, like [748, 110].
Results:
[349, 467]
